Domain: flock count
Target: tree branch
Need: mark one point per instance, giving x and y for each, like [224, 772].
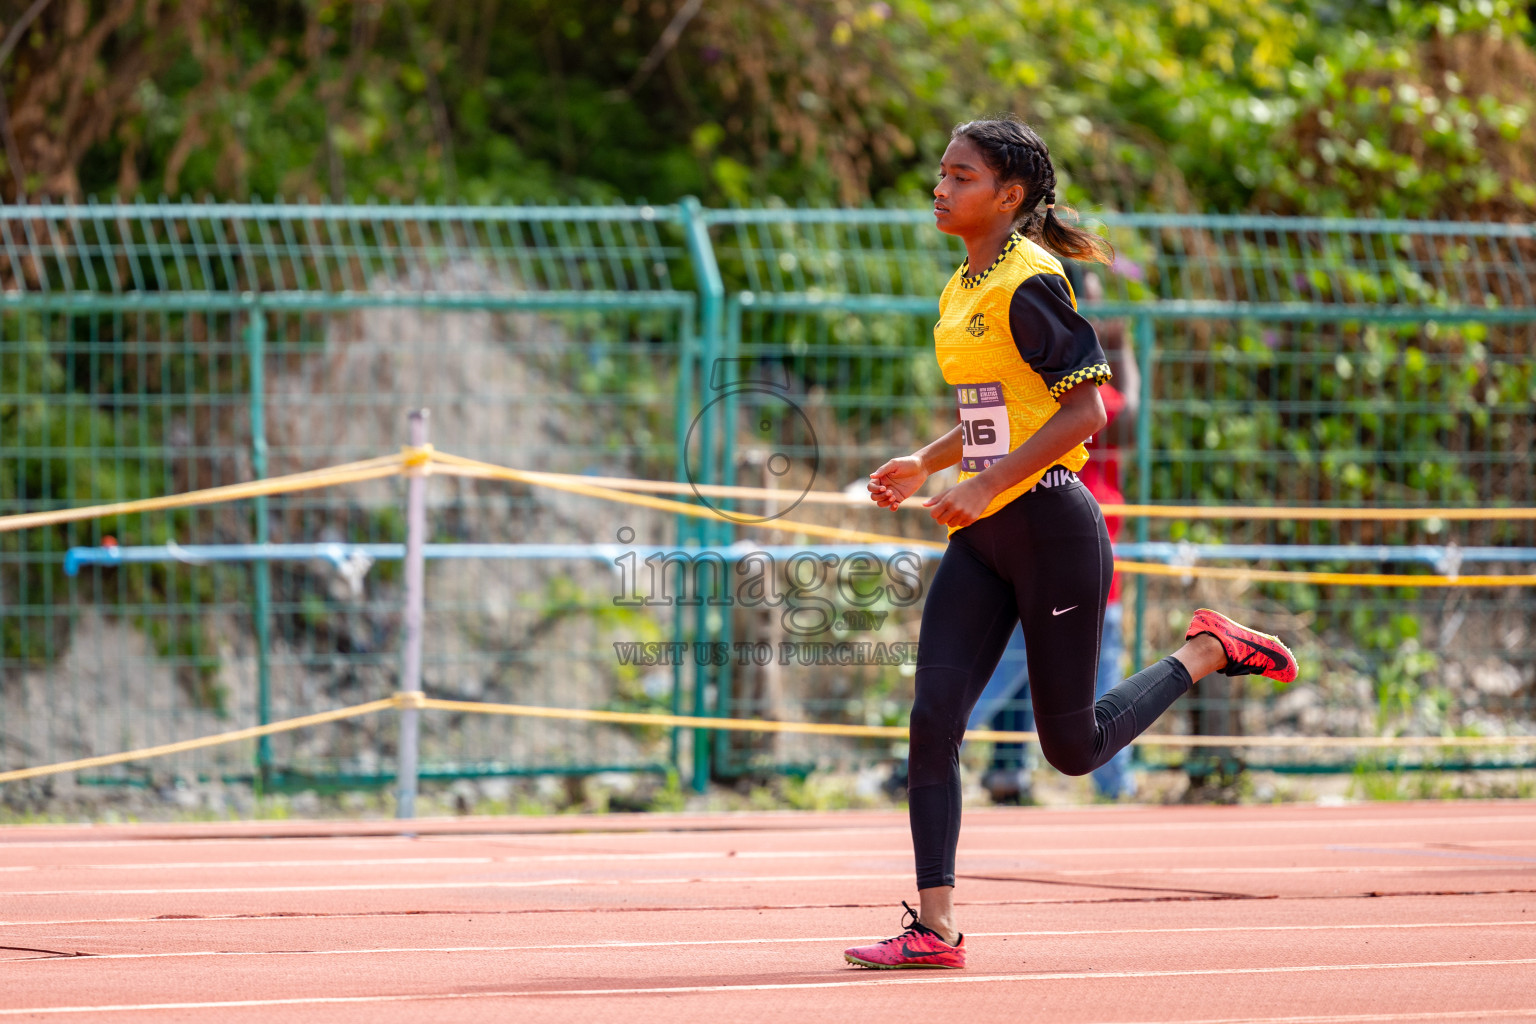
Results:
[669, 37]
[12, 152]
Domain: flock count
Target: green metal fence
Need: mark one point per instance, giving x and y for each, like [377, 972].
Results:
[1281, 361]
[153, 348]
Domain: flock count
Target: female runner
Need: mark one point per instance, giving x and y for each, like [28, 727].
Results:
[1027, 541]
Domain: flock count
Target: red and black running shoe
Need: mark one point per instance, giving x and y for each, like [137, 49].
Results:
[1249, 652]
[916, 946]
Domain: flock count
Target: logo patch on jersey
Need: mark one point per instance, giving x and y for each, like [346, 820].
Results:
[977, 326]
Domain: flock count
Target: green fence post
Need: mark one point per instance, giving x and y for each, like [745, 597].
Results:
[1145, 344]
[682, 408]
[725, 533]
[711, 288]
[261, 570]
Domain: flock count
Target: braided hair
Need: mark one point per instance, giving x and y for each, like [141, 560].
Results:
[1016, 154]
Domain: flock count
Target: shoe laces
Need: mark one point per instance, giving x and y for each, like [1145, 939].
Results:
[909, 924]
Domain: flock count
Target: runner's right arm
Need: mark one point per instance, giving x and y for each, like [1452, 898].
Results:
[899, 479]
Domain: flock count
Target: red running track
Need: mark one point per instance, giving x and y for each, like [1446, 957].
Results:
[1281, 915]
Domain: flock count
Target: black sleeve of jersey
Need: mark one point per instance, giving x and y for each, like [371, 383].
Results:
[1053, 337]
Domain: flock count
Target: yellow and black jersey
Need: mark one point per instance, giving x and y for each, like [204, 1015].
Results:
[1011, 341]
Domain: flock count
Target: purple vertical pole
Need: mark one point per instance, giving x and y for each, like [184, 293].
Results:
[415, 587]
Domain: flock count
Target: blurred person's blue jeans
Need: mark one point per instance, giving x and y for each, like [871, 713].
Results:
[1004, 705]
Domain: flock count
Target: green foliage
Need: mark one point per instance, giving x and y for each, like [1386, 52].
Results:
[669, 798]
[1314, 106]
[1373, 783]
[1398, 680]
[1359, 391]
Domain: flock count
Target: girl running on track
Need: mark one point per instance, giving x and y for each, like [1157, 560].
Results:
[1027, 541]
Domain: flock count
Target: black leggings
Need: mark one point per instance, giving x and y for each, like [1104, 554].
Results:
[1044, 560]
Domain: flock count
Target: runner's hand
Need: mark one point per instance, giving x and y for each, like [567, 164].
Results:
[896, 481]
[962, 504]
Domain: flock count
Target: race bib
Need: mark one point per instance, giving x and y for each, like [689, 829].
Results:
[983, 425]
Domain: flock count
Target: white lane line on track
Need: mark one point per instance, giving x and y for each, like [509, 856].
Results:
[1442, 853]
[592, 946]
[244, 865]
[270, 918]
[1352, 1018]
[946, 979]
[1048, 874]
[1288, 869]
[194, 919]
[539, 883]
[1334, 820]
[1129, 825]
[1465, 851]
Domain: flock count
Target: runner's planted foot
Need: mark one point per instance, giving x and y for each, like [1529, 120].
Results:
[916, 946]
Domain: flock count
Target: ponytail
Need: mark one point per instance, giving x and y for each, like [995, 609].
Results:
[1016, 154]
[1065, 239]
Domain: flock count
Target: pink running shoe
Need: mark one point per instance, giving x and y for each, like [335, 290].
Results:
[916, 946]
[1249, 652]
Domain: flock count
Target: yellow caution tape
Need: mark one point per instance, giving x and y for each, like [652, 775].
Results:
[417, 699]
[1299, 512]
[417, 458]
[348, 473]
[899, 732]
[1283, 512]
[1348, 579]
[891, 732]
[456, 465]
[423, 460]
[216, 740]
